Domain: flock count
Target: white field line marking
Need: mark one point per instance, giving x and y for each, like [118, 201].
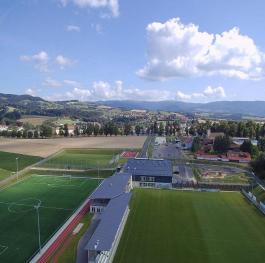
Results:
[26, 205]
[3, 249]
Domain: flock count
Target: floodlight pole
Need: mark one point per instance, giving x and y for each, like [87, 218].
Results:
[17, 166]
[38, 219]
[98, 169]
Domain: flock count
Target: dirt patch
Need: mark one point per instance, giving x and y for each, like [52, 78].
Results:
[46, 147]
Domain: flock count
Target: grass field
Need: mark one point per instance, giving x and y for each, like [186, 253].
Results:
[259, 192]
[85, 159]
[8, 163]
[35, 120]
[174, 226]
[58, 197]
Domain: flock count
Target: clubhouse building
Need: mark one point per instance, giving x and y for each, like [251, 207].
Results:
[145, 172]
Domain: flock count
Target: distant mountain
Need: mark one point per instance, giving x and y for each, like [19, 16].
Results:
[248, 108]
[31, 105]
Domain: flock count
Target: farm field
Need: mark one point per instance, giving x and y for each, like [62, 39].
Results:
[58, 198]
[35, 120]
[174, 226]
[46, 147]
[8, 163]
[85, 159]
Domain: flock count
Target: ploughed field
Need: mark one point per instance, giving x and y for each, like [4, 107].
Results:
[203, 227]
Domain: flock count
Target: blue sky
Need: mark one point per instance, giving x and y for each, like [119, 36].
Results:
[146, 50]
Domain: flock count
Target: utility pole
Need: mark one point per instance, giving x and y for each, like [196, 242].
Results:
[38, 220]
[17, 166]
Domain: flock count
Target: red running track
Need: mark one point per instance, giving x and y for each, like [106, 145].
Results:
[55, 245]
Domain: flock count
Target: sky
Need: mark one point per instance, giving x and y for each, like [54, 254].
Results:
[192, 50]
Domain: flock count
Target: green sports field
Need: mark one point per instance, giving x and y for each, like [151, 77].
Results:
[58, 197]
[85, 159]
[174, 226]
[8, 163]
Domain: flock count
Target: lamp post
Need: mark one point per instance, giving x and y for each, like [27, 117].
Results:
[17, 166]
[38, 223]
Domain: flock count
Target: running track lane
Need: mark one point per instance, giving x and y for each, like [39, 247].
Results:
[54, 246]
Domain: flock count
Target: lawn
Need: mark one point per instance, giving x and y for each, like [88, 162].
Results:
[85, 159]
[59, 197]
[259, 192]
[174, 226]
[8, 163]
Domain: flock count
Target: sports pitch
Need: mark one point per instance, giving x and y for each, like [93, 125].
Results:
[174, 226]
[85, 159]
[8, 163]
[58, 197]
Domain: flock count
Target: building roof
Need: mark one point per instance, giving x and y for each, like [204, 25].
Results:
[110, 221]
[149, 167]
[111, 186]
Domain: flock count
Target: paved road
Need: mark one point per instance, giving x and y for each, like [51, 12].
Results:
[144, 152]
[185, 175]
[167, 151]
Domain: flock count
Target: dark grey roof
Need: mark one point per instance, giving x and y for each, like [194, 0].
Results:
[111, 186]
[149, 167]
[110, 221]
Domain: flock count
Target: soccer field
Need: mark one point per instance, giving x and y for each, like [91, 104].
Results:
[174, 226]
[85, 159]
[8, 163]
[58, 197]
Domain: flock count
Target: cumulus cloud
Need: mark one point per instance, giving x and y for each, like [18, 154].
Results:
[179, 50]
[31, 91]
[63, 62]
[102, 90]
[40, 60]
[112, 5]
[210, 93]
[73, 28]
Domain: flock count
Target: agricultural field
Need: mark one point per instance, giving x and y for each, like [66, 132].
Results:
[46, 147]
[35, 120]
[202, 227]
[85, 159]
[8, 163]
[58, 198]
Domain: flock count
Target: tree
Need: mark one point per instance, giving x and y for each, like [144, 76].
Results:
[76, 131]
[19, 134]
[89, 129]
[30, 134]
[36, 134]
[247, 146]
[24, 134]
[155, 129]
[196, 144]
[261, 144]
[221, 144]
[96, 130]
[161, 129]
[258, 166]
[137, 130]
[66, 130]
[127, 129]
[45, 131]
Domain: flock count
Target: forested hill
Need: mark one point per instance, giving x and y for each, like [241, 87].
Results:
[248, 108]
[30, 105]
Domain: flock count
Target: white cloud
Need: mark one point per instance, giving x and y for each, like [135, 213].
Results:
[31, 91]
[63, 62]
[52, 83]
[177, 50]
[73, 28]
[102, 90]
[112, 5]
[40, 60]
[210, 93]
